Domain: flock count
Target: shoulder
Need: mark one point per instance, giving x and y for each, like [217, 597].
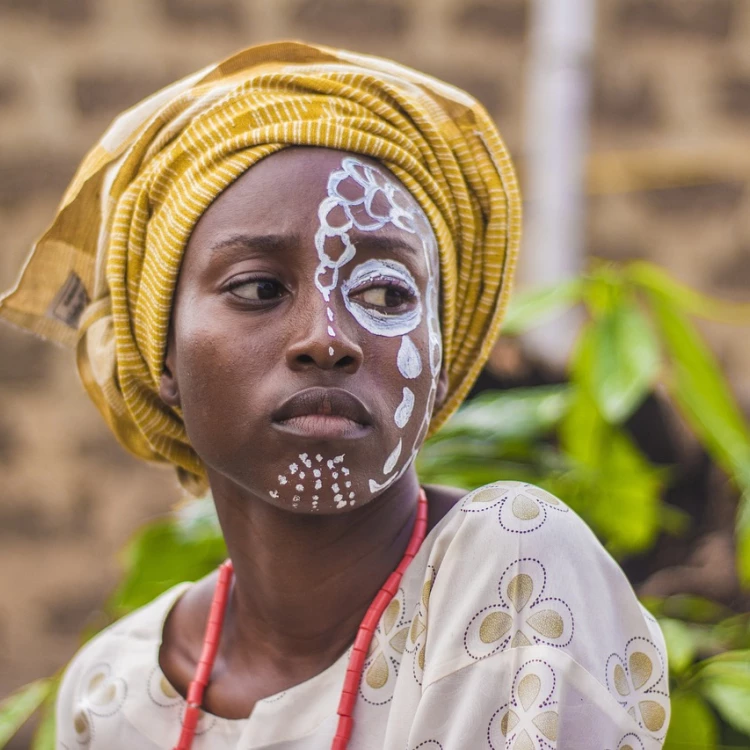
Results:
[506, 519]
[100, 678]
[518, 569]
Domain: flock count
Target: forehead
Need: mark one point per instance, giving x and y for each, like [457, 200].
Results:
[287, 188]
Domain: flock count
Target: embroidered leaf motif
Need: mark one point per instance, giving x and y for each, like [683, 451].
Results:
[377, 674]
[495, 626]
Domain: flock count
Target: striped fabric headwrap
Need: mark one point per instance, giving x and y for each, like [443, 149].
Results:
[103, 275]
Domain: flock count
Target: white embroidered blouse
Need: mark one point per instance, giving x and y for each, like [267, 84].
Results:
[513, 629]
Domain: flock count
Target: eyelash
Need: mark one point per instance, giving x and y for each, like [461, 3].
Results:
[387, 284]
[236, 283]
[383, 283]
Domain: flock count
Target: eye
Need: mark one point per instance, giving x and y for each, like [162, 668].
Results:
[390, 297]
[257, 290]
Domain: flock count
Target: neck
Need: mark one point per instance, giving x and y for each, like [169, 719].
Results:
[302, 582]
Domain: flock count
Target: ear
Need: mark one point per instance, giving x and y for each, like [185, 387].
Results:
[169, 390]
[442, 390]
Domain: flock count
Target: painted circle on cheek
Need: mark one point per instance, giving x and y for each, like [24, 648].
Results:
[374, 321]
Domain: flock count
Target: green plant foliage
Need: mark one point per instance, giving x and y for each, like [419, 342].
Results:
[700, 390]
[166, 553]
[18, 708]
[682, 645]
[650, 277]
[540, 305]
[610, 483]
[44, 737]
[725, 682]
[693, 725]
[624, 360]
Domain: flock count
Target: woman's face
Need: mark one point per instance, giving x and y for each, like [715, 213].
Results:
[305, 348]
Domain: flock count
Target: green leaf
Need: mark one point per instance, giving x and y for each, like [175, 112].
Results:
[18, 708]
[196, 520]
[693, 725]
[681, 647]
[703, 396]
[623, 359]
[742, 531]
[533, 307]
[45, 735]
[725, 682]
[513, 415]
[163, 554]
[611, 484]
[651, 278]
[733, 633]
[693, 608]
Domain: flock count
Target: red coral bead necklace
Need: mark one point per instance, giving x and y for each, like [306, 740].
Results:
[356, 659]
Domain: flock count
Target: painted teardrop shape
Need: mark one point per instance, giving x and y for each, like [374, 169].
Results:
[405, 408]
[408, 360]
[390, 463]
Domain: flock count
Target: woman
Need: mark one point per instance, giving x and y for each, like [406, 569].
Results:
[281, 275]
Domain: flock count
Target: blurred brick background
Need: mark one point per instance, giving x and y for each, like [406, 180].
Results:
[668, 74]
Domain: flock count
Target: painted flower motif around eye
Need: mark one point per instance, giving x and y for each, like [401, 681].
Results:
[524, 616]
[521, 508]
[384, 657]
[417, 639]
[637, 682]
[529, 721]
[369, 199]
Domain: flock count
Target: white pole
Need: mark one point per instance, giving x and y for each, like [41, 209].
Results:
[556, 121]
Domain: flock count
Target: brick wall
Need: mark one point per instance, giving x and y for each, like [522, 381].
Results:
[669, 73]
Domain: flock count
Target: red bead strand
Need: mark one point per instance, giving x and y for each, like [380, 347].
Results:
[370, 623]
[356, 660]
[208, 656]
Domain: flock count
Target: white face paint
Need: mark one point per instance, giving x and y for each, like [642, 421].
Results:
[321, 479]
[377, 201]
[370, 318]
[409, 362]
[390, 463]
[404, 409]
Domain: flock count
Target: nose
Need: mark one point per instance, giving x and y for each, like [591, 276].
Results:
[312, 345]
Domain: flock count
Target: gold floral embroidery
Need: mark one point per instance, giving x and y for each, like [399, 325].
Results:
[82, 726]
[418, 630]
[101, 695]
[630, 742]
[161, 691]
[386, 649]
[523, 617]
[636, 681]
[529, 721]
[521, 507]
[167, 689]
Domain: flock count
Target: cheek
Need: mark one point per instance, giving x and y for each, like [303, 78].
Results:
[415, 384]
[215, 364]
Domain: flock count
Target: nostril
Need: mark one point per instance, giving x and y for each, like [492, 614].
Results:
[346, 361]
[305, 359]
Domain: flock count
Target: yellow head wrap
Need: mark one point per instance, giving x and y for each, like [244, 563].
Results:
[104, 274]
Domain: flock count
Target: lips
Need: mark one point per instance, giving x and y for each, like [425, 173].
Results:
[325, 413]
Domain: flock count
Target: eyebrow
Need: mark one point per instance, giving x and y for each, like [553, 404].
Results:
[264, 243]
[382, 243]
[273, 243]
